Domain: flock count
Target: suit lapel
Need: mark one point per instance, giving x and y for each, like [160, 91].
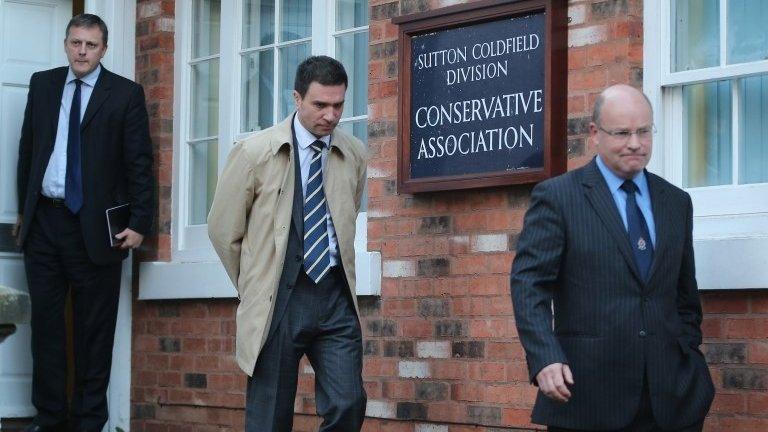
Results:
[598, 195]
[58, 80]
[100, 94]
[661, 219]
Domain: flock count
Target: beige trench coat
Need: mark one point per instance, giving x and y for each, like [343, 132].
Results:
[251, 215]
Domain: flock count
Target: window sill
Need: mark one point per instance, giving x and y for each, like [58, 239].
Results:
[731, 263]
[200, 280]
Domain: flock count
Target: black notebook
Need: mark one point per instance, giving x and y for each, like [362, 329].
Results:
[117, 221]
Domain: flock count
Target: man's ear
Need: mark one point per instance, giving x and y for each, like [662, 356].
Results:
[296, 99]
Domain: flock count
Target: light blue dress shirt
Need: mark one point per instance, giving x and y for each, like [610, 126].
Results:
[643, 196]
[56, 173]
[305, 139]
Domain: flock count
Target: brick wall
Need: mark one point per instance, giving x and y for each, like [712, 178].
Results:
[154, 70]
[441, 352]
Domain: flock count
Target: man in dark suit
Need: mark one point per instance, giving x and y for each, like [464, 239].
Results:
[84, 148]
[607, 251]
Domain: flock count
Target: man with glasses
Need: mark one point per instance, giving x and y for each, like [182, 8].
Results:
[606, 253]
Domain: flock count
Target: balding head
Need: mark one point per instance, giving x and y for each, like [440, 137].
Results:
[622, 129]
[617, 91]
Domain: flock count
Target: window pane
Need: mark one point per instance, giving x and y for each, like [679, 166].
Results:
[697, 34]
[258, 91]
[352, 51]
[359, 129]
[203, 174]
[206, 19]
[707, 134]
[205, 99]
[290, 57]
[296, 20]
[351, 13]
[747, 38]
[258, 23]
[753, 130]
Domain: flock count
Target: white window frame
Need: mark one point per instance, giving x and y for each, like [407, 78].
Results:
[730, 221]
[195, 270]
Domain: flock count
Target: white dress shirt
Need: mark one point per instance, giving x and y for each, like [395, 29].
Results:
[56, 173]
[305, 139]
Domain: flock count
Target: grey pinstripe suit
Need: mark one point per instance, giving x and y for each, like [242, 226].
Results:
[610, 326]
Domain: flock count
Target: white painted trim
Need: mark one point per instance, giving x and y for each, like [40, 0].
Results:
[119, 391]
[736, 263]
[120, 17]
[179, 280]
[730, 222]
[191, 280]
[190, 250]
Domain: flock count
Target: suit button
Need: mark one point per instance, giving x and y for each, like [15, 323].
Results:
[642, 333]
[298, 258]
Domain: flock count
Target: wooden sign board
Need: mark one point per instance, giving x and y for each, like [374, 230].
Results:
[482, 95]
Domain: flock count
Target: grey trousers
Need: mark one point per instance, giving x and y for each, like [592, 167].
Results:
[319, 320]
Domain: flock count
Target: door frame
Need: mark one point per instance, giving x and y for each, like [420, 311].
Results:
[120, 16]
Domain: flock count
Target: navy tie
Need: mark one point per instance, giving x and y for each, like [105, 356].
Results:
[317, 258]
[73, 186]
[639, 236]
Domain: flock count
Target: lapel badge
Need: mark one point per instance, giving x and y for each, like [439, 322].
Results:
[641, 244]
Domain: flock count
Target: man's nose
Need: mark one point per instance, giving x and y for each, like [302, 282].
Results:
[634, 141]
[331, 114]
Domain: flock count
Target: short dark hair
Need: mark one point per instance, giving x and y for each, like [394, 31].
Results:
[321, 69]
[88, 21]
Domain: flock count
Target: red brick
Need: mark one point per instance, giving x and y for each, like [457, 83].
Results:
[393, 308]
[469, 391]
[724, 303]
[754, 328]
[728, 403]
[416, 328]
[398, 389]
[487, 371]
[758, 352]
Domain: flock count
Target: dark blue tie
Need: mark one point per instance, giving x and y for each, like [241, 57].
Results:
[639, 236]
[73, 186]
[317, 258]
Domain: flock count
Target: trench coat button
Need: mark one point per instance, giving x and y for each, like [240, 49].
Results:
[642, 333]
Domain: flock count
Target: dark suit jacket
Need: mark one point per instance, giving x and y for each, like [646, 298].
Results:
[116, 155]
[610, 325]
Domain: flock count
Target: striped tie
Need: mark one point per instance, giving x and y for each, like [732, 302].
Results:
[317, 259]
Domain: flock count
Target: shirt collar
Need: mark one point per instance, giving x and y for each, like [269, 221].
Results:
[615, 182]
[89, 79]
[304, 137]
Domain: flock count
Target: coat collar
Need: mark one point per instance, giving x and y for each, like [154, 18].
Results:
[100, 94]
[283, 137]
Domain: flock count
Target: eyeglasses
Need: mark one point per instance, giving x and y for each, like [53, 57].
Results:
[643, 134]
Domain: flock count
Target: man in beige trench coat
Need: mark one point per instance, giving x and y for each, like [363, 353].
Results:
[283, 224]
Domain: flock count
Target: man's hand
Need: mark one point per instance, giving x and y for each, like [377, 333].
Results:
[17, 229]
[553, 379]
[129, 238]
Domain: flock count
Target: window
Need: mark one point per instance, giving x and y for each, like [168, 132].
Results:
[706, 70]
[236, 61]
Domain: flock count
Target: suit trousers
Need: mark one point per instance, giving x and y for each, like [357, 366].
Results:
[56, 262]
[319, 321]
[644, 420]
